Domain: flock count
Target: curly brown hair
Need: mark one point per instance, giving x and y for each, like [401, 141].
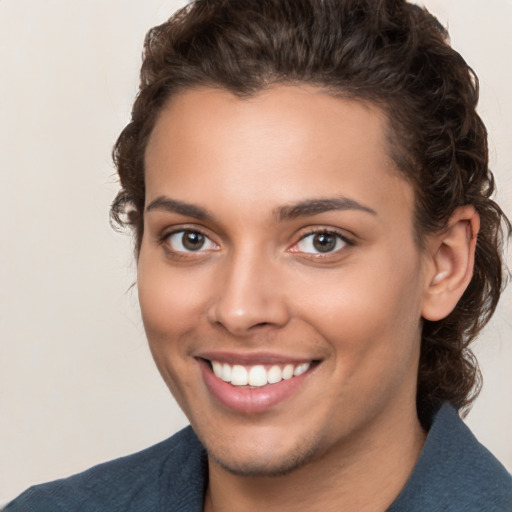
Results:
[388, 52]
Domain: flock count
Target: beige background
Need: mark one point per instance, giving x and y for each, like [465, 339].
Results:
[78, 385]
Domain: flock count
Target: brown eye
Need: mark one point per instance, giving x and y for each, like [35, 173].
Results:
[189, 241]
[321, 243]
[192, 240]
[324, 242]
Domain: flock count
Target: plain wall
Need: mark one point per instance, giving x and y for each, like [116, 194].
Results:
[77, 383]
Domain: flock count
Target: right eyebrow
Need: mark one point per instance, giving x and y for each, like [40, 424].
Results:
[166, 204]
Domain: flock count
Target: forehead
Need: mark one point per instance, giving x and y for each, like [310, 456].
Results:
[282, 145]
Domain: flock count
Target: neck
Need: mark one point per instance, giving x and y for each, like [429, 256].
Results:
[364, 473]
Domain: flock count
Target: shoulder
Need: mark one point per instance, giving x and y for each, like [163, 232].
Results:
[455, 472]
[142, 481]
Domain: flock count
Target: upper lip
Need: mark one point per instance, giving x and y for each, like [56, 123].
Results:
[252, 358]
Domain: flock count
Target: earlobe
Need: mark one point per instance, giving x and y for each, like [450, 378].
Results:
[452, 253]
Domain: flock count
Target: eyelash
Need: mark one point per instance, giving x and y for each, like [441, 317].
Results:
[347, 242]
[164, 240]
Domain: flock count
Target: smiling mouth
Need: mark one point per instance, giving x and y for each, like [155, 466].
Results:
[253, 383]
[259, 375]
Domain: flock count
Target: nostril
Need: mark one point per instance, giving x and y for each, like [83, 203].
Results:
[261, 324]
[242, 314]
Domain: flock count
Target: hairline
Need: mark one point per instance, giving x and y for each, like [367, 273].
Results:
[393, 147]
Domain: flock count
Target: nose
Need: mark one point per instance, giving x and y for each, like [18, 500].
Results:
[248, 297]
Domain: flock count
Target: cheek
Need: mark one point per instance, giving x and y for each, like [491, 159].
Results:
[370, 312]
[170, 310]
[171, 303]
[374, 336]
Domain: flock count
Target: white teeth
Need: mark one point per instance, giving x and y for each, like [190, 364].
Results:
[257, 375]
[226, 373]
[217, 369]
[288, 372]
[239, 376]
[299, 370]
[274, 375]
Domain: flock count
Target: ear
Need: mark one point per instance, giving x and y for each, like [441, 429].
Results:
[452, 254]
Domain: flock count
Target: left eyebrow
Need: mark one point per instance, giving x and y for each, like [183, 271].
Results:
[167, 204]
[310, 207]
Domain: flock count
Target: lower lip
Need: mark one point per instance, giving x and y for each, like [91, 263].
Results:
[249, 400]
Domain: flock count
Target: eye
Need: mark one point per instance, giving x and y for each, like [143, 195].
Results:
[187, 240]
[321, 242]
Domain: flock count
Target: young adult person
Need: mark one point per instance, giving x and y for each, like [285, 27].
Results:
[309, 189]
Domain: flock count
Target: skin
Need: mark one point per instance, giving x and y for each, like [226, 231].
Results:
[258, 285]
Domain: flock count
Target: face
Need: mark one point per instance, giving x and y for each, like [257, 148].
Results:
[279, 280]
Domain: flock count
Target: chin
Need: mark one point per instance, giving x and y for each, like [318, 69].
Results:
[270, 463]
